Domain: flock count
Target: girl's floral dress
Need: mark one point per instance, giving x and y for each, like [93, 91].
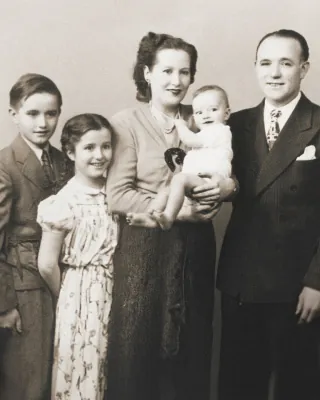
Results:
[81, 335]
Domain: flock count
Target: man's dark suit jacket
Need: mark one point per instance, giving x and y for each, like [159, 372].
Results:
[22, 186]
[271, 248]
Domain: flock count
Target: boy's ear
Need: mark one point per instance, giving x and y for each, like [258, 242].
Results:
[227, 113]
[13, 114]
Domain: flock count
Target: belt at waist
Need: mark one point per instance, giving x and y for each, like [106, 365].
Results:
[22, 252]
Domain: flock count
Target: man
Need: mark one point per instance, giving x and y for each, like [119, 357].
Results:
[269, 271]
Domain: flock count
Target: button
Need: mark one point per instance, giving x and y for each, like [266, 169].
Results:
[283, 218]
[293, 188]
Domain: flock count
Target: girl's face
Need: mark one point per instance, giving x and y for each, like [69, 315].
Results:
[92, 156]
[169, 78]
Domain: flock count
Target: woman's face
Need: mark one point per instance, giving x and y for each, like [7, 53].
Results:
[169, 78]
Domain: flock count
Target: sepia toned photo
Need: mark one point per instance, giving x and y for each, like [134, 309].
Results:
[159, 200]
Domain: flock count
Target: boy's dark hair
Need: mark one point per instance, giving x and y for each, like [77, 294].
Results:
[149, 46]
[208, 88]
[77, 126]
[290, 34]
[30, 84]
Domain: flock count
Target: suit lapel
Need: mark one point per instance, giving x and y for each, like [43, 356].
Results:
[28, 163]
[294, 137]
[254, 145]
[256, 140]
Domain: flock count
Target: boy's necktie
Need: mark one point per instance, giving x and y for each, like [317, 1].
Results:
[274, 128]
[47, 168]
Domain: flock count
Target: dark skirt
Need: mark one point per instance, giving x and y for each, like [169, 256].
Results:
[160, 332]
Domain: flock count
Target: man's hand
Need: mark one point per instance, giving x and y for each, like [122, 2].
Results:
[11, 320]
[214, 191]
[198, 212]
[308, 305]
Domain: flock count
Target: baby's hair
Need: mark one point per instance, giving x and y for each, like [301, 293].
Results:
[78, 126]
[149, 46]
[30, 84]
[208, 88]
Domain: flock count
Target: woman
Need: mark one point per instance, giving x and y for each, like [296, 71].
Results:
[161, 316]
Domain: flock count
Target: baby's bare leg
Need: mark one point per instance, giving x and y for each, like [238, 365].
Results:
[147, 220]
[143, 220]
[181, 185]
[160, 201]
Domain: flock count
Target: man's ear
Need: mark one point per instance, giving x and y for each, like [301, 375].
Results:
[304, 68]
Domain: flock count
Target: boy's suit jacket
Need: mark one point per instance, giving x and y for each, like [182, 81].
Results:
[22, 186]
[271, 247]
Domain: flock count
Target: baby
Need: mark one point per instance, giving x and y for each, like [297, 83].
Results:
[210, 156]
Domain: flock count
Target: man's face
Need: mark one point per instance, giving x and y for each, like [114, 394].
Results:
[280, 69]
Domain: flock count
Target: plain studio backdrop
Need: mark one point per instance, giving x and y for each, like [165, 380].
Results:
[88, 48]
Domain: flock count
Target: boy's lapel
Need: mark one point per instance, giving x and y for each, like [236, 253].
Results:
[28, 163]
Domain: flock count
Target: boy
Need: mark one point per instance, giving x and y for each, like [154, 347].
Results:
[30, 170]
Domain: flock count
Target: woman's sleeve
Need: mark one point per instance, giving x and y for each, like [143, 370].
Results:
[55, 215]
[123, 195]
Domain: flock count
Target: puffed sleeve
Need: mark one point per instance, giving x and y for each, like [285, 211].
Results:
[55, 214]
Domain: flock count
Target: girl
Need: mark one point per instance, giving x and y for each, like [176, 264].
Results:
[79, 232]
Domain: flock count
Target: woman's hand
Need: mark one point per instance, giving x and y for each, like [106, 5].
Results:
[198, 212]
[214, 191]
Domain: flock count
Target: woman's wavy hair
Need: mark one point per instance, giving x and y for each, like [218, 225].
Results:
[149, 46]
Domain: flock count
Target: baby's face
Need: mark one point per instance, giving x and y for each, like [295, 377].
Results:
[210, 107]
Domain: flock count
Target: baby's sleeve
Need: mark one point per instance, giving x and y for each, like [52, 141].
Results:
[55, 215]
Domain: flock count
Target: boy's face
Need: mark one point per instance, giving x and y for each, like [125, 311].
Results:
[210, 107]
[36, 117]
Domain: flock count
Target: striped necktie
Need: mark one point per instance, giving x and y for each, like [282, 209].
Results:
[274, 128]
[47, 167]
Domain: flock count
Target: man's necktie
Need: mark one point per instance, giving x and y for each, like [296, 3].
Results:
[47, 168]
[274, 128]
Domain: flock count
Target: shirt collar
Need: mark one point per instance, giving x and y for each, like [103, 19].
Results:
[165, 122]
[285, 110]
[87, 189]
[37, 150]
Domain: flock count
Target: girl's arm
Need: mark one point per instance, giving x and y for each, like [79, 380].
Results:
[48, 259]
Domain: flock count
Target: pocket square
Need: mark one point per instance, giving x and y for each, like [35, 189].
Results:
[308, 154]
